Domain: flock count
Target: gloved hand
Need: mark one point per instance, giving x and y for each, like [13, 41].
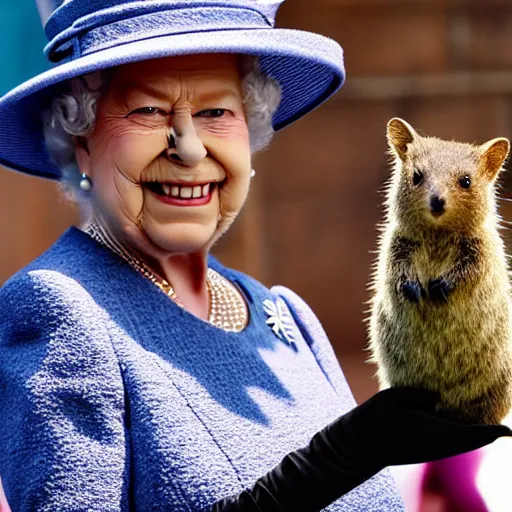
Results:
[395, 426]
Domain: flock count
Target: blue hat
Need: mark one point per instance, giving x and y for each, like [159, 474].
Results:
[90, 35]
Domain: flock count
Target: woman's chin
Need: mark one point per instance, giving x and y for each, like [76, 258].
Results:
[181, 237]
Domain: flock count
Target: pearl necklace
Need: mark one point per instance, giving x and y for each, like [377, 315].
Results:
[228, 309]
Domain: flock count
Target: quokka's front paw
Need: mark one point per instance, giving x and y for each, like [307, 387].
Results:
[439, 289]
[412, 291]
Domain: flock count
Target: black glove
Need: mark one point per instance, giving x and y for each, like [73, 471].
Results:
[395, 426]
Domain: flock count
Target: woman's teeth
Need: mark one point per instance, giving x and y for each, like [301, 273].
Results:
[184, 191]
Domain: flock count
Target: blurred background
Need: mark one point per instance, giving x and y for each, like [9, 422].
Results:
[310, 223]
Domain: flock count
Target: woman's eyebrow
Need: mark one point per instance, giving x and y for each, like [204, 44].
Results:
[154, 92]
[164, 95]
[209, 95]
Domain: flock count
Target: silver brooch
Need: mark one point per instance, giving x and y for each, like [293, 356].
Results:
[280, 320]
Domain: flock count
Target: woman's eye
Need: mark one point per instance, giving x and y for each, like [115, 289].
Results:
[147, 111]
[213, 112]
[465, 182]
[417, 177]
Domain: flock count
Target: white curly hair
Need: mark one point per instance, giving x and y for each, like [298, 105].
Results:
[73, 114]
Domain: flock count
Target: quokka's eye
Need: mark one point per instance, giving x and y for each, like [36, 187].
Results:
[417, 177]
[465, 182]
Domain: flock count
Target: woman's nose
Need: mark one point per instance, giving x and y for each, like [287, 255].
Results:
[184, 144]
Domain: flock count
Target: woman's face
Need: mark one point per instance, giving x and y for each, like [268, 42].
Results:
[169, 157]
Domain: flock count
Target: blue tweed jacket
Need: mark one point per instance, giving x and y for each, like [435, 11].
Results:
[113, 398]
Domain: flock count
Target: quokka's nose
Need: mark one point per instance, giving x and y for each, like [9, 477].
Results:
[437, 205]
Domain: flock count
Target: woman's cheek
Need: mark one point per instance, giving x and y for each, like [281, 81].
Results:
[119, 156]
[118, 195]
[129, 197]
[133, 153]
[234, 191]
[230, 146]
[117, 191]
[131, 148]
[231, 149]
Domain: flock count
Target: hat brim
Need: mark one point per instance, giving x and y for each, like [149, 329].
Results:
[308, 67]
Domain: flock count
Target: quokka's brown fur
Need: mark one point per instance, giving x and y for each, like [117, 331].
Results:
[441, 314]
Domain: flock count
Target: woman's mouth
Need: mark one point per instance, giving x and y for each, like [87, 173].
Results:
[182, 194]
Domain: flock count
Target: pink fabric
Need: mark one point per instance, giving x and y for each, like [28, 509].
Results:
[454, 481]
[4, 506]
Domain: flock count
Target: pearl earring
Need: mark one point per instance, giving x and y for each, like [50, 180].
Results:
[85, 183]
[253, 173]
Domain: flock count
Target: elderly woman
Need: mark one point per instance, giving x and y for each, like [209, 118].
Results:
[137, 372]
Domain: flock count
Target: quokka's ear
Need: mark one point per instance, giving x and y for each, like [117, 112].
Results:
[400, 134]
[493, 155]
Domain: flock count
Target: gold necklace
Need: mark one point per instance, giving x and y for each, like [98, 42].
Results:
[228, 309]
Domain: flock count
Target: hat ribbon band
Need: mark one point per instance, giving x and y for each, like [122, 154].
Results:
[155, 24]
